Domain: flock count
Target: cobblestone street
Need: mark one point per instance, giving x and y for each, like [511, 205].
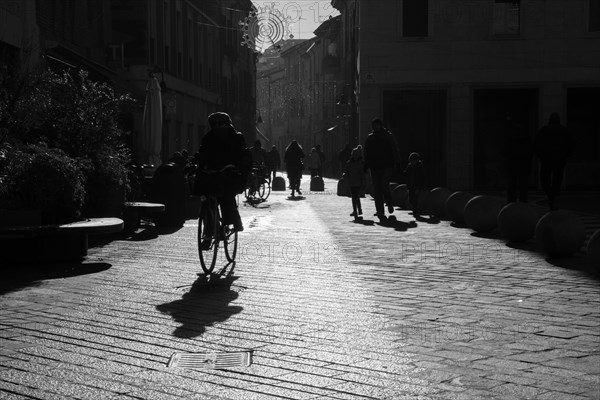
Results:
[330, 307]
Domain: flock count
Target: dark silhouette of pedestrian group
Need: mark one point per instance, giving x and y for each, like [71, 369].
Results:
[552, 145]
[223, 147]
[380, 156]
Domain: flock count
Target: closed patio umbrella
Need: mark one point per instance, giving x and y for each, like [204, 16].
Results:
[151, 142]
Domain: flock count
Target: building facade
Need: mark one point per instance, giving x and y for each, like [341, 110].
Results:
[271, 83]
[446, 74]
[193, 47]
[304, 89]
[175, 40]
[19, 34]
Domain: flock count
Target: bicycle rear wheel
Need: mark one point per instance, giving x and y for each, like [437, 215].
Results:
[230, 243]
[208, 234]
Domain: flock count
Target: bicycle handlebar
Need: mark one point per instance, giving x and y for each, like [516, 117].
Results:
[228, 167]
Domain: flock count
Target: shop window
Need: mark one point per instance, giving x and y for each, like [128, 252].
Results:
[507, 17]
[415, 18]
[594, 15]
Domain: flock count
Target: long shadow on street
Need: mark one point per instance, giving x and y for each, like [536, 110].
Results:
[577, 263]
[206, 302]
[18, 276]
[140, 235]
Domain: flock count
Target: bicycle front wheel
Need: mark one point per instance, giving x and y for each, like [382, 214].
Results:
[265, 190]
[208, 234]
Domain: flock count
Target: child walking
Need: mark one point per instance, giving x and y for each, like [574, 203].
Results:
[355, 171]
[415, 177]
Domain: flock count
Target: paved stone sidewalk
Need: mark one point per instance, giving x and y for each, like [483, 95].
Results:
[331, 308]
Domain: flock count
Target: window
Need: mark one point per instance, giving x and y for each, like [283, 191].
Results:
[507, 17]
[179, 64]
[189, 142]
[178, 137]
[415, 18]
[152, 51]
[594, 16]
[167, 37]
[583, 122]
[167, 57]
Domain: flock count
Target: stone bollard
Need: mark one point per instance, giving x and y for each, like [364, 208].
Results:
[560, 233]
[317, 184]
[517, 221]
[481, 212]
[400, 195]
[392, 186]
[437, 201]
[278, 184]
[455, 206]
[168, 188]
[593, 252]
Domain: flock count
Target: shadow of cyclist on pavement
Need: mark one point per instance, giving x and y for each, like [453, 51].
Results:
[206, 302]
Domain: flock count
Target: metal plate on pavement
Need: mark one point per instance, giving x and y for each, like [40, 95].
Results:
[214, 360]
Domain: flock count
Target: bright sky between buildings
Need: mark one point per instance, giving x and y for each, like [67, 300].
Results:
[299, 18]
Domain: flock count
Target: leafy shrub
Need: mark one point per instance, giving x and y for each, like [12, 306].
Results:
[39, 178]
[70, 112]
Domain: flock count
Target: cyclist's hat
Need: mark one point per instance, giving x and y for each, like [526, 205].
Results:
[376, 121]
[219, 117]
[414, 157]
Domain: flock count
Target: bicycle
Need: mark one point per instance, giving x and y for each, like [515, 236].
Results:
[212, 231]
[259, 184]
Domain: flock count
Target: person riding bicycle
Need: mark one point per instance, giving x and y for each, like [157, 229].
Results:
[259, 155]
[224, 149]
[259, 160]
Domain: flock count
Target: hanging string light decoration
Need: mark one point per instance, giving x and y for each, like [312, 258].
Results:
[264, 28]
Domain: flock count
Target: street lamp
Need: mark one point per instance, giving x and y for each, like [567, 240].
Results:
[345, 110]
